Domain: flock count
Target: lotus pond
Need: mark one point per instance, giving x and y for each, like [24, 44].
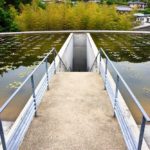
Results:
[19, 54]
[130, 53]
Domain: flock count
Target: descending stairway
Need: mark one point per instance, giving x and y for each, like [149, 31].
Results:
[75, 114]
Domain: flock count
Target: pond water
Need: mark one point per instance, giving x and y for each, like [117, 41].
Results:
[19, 54]
[130, 53]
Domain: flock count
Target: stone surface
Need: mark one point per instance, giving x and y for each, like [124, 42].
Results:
[75, 114]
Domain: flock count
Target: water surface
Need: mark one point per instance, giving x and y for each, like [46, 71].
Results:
[19, 54]
[130, 53]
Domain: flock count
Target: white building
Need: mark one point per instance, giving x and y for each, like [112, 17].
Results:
[143, 18]
[94, 1]
[123, 9]
[137, 4]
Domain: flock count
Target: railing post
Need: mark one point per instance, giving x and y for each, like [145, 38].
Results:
[47, 76]
[2, 136]
[100, 58]
[116, 92]
[106, 64]
[54, 54]
[59, 64]
[33, 93]
[96, 65]
[141, 136]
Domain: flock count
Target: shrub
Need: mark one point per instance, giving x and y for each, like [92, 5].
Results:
[64, 16]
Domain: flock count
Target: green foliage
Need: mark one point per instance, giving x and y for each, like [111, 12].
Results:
[6, 21]
[145, 11]
[15, 3]
[26, 1]
[110, 2]
[64, 16]
[8, 12]
[2, 2]
[6, 15]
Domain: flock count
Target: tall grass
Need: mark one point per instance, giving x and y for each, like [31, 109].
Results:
[64, 16]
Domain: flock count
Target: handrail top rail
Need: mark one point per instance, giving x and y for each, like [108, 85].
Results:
[94, 61]
[75, 31]
[128, 88]
[22, 84]
[54, 50]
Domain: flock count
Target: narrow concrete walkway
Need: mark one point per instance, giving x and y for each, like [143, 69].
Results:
[75, 114]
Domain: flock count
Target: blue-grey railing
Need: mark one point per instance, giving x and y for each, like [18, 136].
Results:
[94, 62]
[28, 77]
[31, 77]
[145, 117]
[119, 78]
[61, 61]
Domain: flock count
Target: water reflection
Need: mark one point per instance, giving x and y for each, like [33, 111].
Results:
[130, 53]
[26, 50]
[19, 55]
[125, 47]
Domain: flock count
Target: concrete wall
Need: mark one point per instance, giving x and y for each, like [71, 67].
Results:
[91, 54]
[144, 28]
[66, 54]
[76, 53]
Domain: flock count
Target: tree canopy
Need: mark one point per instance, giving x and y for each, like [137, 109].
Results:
[82, 16]
[33, 15]
[7, 22]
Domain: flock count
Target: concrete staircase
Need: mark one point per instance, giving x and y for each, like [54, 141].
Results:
[75, 114]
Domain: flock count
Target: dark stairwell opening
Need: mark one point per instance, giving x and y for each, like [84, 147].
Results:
[79, 53]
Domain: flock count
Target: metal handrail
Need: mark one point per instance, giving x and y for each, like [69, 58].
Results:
[94, 61]
[28, 77]
[34, 96]
[54, 50]
[127, 87]
[145, 117]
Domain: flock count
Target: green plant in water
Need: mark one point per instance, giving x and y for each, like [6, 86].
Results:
[14, 84]
[27, 71]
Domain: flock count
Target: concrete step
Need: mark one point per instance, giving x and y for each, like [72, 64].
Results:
[75, 114]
